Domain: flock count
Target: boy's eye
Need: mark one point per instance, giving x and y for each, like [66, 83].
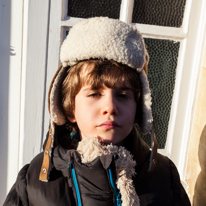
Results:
[124, 95]
[94, 94]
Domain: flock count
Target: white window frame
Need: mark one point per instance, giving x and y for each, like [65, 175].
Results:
[35, 120]
[34, 64]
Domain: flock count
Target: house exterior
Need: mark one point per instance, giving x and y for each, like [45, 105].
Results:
[31, 33]
[196, 167]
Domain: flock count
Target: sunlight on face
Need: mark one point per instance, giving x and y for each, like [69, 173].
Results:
[106, 113]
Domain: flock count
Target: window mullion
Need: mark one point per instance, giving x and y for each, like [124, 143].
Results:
[126, 11]
[162, 32]
[70, 21]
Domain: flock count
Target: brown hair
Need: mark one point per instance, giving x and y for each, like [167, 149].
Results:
[107, 72]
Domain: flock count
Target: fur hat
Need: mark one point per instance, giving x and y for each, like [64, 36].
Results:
[101, 38]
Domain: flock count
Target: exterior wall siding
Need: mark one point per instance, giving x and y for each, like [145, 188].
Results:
[196, 167]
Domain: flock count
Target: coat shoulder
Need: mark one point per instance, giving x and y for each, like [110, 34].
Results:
[18, 193]
[161, 186]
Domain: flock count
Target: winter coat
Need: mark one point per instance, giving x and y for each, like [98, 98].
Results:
[96, 180]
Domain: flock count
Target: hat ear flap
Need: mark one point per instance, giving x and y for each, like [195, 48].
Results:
[153, 155]
[145, 120]
[54, 100]
[140, 103]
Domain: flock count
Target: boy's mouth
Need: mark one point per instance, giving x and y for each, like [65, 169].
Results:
[109, 125]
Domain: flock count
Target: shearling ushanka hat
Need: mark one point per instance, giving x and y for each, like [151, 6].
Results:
[100, 38]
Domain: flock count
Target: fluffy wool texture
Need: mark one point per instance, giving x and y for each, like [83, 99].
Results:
[90, 148]
[56, 111]
[146, 123]
[104, 38]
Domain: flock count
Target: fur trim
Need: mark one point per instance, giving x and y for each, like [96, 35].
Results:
[90, 148]
[146, 124]
[56, 111]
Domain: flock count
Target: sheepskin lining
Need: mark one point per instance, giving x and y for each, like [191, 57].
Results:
[104, 38]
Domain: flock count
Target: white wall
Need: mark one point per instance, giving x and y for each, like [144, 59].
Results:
[10, 80]
[23, 57]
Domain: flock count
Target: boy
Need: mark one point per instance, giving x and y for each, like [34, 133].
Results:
[93, 154]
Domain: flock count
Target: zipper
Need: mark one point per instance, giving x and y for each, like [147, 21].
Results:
[75, 185]
[116, 193]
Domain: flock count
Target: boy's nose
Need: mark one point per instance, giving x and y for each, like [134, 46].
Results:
[109, 106]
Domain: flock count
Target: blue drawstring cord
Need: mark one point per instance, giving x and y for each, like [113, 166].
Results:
[116, 193]
[75, 185]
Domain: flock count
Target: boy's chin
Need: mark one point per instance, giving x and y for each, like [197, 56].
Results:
[114, 141]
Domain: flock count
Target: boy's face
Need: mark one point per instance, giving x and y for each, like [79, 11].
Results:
[106, 113]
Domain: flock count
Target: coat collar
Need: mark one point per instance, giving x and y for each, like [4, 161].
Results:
[139, 149]
[133, 143]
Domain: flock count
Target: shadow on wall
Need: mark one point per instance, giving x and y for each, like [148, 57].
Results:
[6, 51]
[199, 198]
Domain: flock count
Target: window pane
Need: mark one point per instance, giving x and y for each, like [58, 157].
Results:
[161, 74]
[159, 12]
[92, 8]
